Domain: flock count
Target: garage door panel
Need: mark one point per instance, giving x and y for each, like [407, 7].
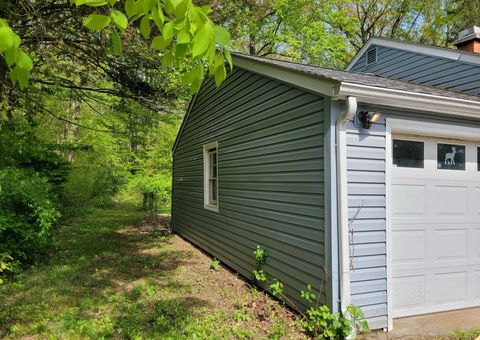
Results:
[476, 199]
[408, 292]
[450, 200]
[450, 288]
[435, 233]
[476, 243]
[409, 247]
[476, 281]
[450, 245]
[410, 200]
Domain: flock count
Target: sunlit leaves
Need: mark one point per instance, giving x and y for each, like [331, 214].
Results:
[182, 30]
[90, 2]
[116, 43]
[119, 19]
[24, 61]
[6, 38]
[203, 40]
[96, 22]
[160, 43]
[222, 37]
[194, 78]
[228, 57]
[145, 27]
[19, 62]
[130, 9]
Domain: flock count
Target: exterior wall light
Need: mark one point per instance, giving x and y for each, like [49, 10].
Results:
[365, 119]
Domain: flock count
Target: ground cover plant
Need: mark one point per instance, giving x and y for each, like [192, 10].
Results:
[118, 274]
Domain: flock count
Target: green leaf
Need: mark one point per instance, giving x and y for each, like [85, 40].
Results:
[168, 30]
[148, 5]
[160, 43]
[195, 86]
[192, 75]
[16, 40]
[180, 51]
[167, 59]
[206, 10]
[145, 27]
[96, 22]
[202, 40]
[119, 19]
[170, 5]
[20, 75]
[130, 8]
[24, 61]
[116, 43]
[158, 17]
[179, 24]
[7, 38]
[220, 75]
[181, 8]
[10, 56]
[183, 37]
[228, 56]
[197, 17]
[92, 3]
[222, 37]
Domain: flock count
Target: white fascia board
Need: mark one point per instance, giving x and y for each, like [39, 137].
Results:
[296, 78]
[410, 100]
[416, 48]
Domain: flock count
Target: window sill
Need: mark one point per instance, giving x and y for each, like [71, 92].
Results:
[211, 207]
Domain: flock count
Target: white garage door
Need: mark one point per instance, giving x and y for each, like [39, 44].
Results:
[435, 221]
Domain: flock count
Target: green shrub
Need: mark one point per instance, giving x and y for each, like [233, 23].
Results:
[92, 182]
[155, 189]
[26, 214]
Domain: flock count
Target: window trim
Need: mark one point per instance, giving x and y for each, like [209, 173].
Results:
[207, 148]
[409, 139]
[451, 142]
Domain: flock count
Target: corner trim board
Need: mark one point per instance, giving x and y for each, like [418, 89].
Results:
[342, 200]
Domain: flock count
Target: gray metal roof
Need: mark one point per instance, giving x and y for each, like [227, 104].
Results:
[357, 78]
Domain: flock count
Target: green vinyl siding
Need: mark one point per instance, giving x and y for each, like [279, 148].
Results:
[270, 173]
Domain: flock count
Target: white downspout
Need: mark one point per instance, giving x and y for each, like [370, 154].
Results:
[342, 200]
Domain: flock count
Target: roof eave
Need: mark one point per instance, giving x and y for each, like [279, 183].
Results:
[410, 100]
[303, 80]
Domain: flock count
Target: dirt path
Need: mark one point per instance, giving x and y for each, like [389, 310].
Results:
[113, 275]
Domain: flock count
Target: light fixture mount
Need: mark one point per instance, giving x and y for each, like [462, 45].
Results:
[365, 119]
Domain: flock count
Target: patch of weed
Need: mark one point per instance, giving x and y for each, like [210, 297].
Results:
[466, 334]
[215, 265]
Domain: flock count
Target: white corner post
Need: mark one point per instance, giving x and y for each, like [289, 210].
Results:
[342, 199]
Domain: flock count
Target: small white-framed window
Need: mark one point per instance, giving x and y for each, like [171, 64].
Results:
[210, 176]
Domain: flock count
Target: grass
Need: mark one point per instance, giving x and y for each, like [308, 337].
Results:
[470, 334]
[110, 275]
